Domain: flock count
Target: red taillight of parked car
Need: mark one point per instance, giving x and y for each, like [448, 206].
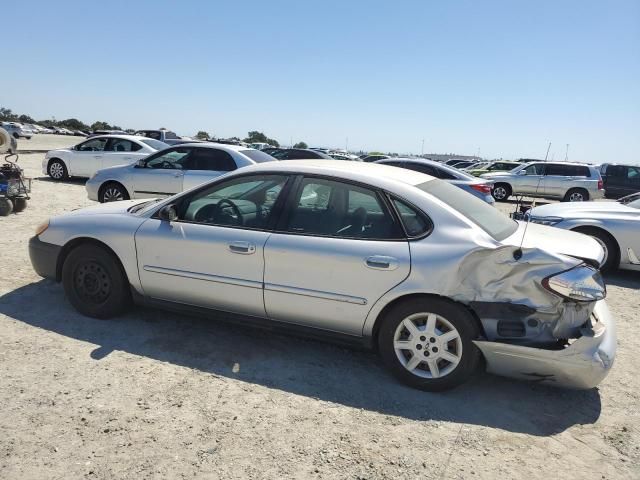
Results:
[482, 188]
[600, 184]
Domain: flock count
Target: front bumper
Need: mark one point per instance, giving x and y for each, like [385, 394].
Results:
[583, 364]
[44, 257]
[92, 188]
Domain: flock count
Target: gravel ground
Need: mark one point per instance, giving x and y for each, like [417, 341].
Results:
[158, 395]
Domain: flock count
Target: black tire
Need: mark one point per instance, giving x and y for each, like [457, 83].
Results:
[6, 207]
[501, 192]
[112, 192]
[16, 136]
[19, 204]
[609, 245]
[95, 283]
[457, 316]
[576, 195]
[57, 170]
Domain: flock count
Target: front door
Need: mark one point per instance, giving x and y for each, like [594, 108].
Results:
[213, 254]
[339, 250]
[87, 157]
[530, 180]
[162, 173]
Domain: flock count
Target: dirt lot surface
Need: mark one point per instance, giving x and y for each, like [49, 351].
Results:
[157, 395]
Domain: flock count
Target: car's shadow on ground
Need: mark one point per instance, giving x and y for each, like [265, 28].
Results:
[623, 278]
[69, 181]
[303, 367]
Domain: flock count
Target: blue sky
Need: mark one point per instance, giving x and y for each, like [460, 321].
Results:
[500, 77]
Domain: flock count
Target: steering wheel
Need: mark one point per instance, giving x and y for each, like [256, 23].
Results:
[166, 164]
[212, 213]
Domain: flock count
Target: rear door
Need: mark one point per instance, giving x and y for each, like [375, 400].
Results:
[120, 151]
[206, 164]
[162, 174]
[337, 250]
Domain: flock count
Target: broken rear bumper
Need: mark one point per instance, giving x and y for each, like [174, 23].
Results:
[583, 364]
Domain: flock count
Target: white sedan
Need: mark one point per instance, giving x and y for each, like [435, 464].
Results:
[86, 158]
[171, 171]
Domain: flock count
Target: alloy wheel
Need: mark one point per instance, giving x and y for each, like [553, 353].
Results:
[576, 197]
[427, 345]
[112, 194]
[499, 193]
[56, 170]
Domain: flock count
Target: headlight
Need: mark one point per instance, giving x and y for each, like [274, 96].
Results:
[550, 221]
[40, 229]
[580, 284]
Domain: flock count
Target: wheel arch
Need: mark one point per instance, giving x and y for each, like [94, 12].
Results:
[66, 165]
[412, 296]
[76, 242]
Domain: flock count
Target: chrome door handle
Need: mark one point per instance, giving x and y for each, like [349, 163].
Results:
[244, 248]
[178, 174]
[381, 262]
[97, 156]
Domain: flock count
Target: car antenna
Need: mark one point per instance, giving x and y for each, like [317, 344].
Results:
[517, 254]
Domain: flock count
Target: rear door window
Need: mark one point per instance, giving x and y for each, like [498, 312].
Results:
[211, 159]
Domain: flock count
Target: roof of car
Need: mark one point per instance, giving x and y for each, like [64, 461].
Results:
[118, 135]
[375, 174]
[222, 146]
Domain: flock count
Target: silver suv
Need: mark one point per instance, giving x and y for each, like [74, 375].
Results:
[569, 182]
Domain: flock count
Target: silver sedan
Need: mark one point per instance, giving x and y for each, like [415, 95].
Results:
[170, 171]
[615, 225]
[433, 277]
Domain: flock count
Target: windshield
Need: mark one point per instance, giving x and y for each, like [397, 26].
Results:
[155, 144]
[489, 218]
[257, 156]
[634, 204]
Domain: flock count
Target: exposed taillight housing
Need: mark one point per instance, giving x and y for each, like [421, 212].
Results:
[482, 188]
[600, 184]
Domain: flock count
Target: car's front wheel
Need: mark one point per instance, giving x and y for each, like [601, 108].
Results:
[428, 343]
[57, 170]
[113, 192]
[94, 282]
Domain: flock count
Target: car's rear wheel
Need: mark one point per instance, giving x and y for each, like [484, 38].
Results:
[113, 192]
[501, 192]
[608, 244]
[427, 343]
[576, 195]
[94, 282]
[57, 170]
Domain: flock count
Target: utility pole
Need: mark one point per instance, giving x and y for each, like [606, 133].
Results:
[547, 155]
[422, 149]
[346, 144]
[566, 154]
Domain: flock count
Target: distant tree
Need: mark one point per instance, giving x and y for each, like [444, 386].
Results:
[7, 115]
[300, 145]
[376, 153]
[202, 135]
[259, 137]
[26, 119]
[130, 130]
[100, 126]
[73, 124]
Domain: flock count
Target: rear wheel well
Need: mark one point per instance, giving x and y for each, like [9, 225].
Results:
[413, 296]
[76, 242]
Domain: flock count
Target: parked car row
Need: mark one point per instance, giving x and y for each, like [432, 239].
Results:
[437, 280]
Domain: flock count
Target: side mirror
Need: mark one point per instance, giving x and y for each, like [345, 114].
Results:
[168, 213]
[522, 172]
[141, 163]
